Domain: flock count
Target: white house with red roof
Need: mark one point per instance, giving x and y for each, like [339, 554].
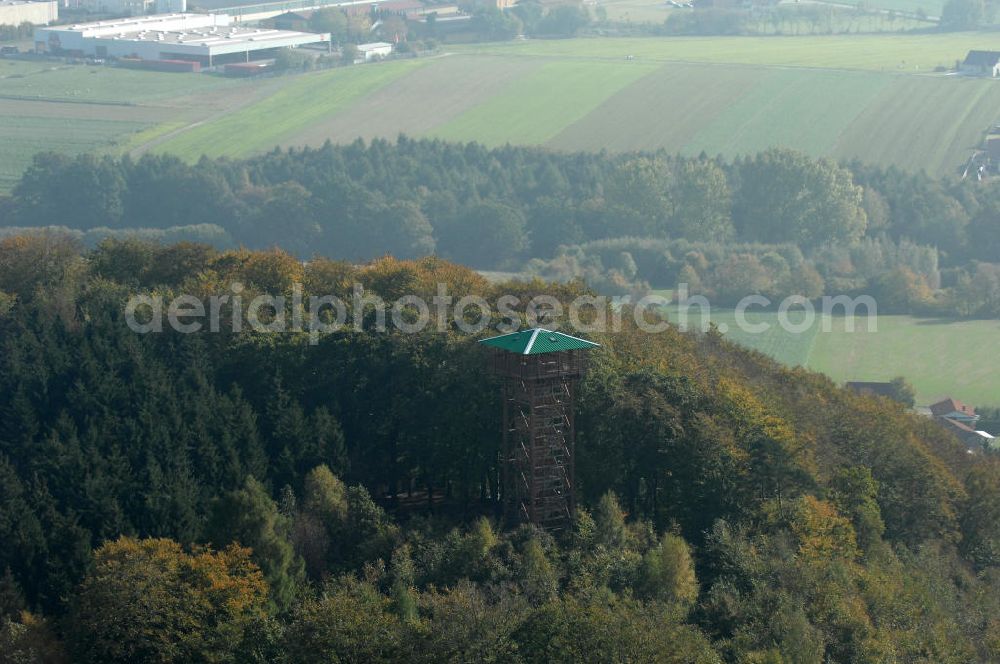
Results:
[961, 419]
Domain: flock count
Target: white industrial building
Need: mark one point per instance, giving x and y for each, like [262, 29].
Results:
[16, 12]
[205, 38]
[374, 51]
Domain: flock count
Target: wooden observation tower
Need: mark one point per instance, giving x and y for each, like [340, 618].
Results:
[540, 369]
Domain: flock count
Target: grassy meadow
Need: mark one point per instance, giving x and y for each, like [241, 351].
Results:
[844, 19]
[789, 349]
[21, 137]
[539, 105]
[911, 53]
[53, 81]
[940, 357]
[915, 122]
[48, 106]
[299, 103]
[871, 97]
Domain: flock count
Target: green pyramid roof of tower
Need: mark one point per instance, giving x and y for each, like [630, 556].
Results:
[537, 341]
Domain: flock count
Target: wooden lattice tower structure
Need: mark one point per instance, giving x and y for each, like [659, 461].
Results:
[540, 370]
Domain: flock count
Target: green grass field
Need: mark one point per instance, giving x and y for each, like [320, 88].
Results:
[882, 52]
[954, 113]
[109, 85]
[940, 357]
[845, 19]
[866, 97]
[844, 114]
[790, 349]
[301, 102]
[737, 112]
[923, 350]
[74, 108]
[405, 104]
[536, 107]
[915, 122]
[871, 97]
[817, 107]
[22, 137]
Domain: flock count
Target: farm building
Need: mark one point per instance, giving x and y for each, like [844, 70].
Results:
[952, 409]
[981, 63]
[204, 38]
[374, 50]
[974, 440]
[961, 419]
[16, 12]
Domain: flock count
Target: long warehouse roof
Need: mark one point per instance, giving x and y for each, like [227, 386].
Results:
[213, 37]
[188, 33]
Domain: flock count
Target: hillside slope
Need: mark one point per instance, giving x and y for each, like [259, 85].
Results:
[773, 486]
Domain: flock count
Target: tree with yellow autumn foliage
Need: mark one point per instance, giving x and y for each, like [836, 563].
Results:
[149, 600]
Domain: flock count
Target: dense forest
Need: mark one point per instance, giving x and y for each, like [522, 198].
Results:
[249, 497]
[776, 223]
